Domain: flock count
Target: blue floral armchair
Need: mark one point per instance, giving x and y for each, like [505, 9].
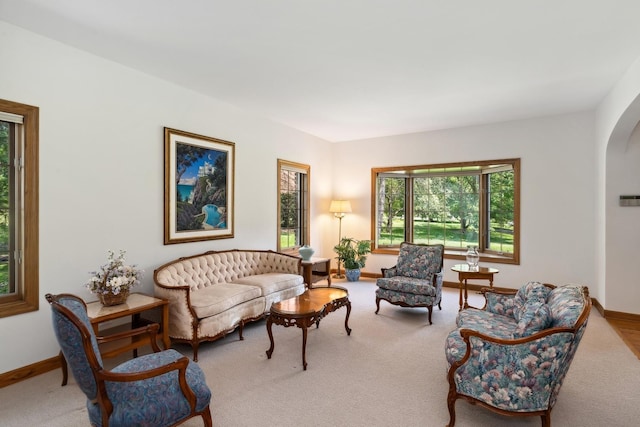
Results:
[512, 356]
[415, 280]
[159, 389]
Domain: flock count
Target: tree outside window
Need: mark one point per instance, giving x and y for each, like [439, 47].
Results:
[458, 205]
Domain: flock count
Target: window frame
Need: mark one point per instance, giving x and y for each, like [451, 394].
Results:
[305, 204]
[26, 298]
[451, 253]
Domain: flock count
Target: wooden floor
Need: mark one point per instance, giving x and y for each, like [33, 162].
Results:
[629, 331]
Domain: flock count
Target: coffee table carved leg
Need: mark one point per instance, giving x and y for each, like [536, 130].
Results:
[346, 319]
[304, 347]
[270, 351]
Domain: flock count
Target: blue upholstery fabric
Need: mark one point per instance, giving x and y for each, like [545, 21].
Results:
[70, 341]
[157, 401]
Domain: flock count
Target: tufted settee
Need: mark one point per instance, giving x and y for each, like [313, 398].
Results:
[512, 356]
[214, 293]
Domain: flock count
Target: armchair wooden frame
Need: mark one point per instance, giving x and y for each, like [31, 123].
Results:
[101, 375]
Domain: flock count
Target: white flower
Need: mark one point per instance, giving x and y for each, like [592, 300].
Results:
[114, 276]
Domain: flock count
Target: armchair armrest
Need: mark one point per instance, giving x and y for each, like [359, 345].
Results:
[389, 272]
[180, 364]
[507, 372]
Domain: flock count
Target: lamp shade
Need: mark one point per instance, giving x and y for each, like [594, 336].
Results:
[340, 206]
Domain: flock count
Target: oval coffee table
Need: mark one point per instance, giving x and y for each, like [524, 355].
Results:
[305, 310]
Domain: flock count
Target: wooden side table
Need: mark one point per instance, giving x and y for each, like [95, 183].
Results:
[316, 269]
[136, 304]
[467, 273]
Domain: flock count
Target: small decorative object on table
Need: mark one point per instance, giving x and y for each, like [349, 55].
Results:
[306, 252]
[473, 257]
[114, 280]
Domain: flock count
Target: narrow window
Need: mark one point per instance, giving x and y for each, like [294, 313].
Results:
[18, 208]
[293, 205]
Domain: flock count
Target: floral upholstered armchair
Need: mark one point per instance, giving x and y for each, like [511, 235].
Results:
[415, 280]
[512, 356]
[163, 388]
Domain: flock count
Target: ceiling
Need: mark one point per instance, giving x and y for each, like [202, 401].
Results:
[354, 69]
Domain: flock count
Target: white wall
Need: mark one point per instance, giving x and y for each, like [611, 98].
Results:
[618, 230]
[557, 198]
[101, 179]
[101, 171]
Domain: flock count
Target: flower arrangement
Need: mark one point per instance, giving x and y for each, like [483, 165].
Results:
[114, 277]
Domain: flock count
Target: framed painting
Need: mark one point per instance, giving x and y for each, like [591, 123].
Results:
[198, 190]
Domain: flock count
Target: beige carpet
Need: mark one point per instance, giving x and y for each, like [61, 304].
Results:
[389, 372]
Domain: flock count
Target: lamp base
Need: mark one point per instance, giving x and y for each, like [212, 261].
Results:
[338, 276]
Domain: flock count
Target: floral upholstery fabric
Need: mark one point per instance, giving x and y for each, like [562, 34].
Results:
[408, 284]
[565, 305]
[513, 377]
[407, 298]
[523, 376]
[491, 324]
[156, 401]
[535, 317]
[419, 261]
[532, 291]
[416, 279]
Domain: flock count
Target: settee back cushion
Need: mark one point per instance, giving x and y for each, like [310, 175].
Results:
[532, 292]
[566, 304]
[419, 261]
[223, 267]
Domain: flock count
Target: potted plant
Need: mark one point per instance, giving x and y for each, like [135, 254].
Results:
[353, 254]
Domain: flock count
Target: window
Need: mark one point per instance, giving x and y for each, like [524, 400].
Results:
[19, 291]
[458, 205]
[293, 205]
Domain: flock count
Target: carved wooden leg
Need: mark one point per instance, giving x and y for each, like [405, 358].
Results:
[270, 351]
[546, 419]
[377, 305]
[206, 417]
[346, 320]
[451, 404]
[65, 370]
[240, 330]
[430, 308]
[194, 345]
[304, 347]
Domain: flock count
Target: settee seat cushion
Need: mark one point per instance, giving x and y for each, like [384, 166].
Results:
[407, 284]
[220, 297]
[269, 283]
[405, 298]
[487, 323]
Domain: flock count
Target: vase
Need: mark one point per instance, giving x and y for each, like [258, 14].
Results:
[352, 275]
[473, 257]
[306, 252]
[114, 299]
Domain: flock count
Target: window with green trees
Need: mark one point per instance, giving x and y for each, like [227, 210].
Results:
[458, 205]
[293, 205]
[18, 208]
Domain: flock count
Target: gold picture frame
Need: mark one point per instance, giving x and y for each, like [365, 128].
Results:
[199, 187]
